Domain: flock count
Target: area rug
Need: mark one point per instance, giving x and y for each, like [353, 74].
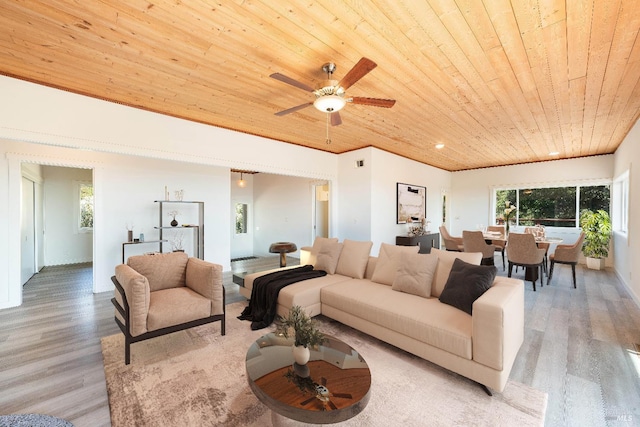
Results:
[197, 378]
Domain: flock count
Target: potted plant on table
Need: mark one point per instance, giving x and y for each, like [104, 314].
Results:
[305, 333]
[597, 235]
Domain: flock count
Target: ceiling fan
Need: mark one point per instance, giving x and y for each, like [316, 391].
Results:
[331, 95]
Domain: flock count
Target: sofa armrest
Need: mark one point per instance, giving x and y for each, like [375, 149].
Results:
[498, 323]
[305, 255]
[137, 296]
[205, 278]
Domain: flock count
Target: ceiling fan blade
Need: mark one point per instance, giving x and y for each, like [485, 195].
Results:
[290, 81]
[343, 395]
[333, 406]
[336, 120]
[293, 109]
[306, 402]
[358, 71]
[323, 381]
[376, 102]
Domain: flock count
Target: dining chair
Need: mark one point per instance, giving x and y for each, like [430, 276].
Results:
[473, 241]
[567, 254]
[539, 234]
[451, 243]
[499, 244]
[523, 251]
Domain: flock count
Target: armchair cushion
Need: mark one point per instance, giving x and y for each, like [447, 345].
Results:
[162, 270]
[136, 288]
[467, 283]
[205, 278]
[175, 306]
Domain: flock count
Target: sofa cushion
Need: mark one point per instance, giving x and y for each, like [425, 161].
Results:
[327, 258]
[162, 270]
[466, 283]
[424, 319]
[307, 293]
[353, 258]
[317, 244]
[445, 261]
[389, 258]
[175, 306]
[415, 274]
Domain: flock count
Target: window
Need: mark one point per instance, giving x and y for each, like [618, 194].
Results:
[241, 218]
[85, 197]
[620, 204]
[551, 206]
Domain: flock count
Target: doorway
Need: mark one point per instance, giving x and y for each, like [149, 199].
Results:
[65, 235]
[320, 210]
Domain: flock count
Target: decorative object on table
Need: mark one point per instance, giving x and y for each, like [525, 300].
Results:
[417, 229]
[597, 235]
[411, 203]
[179, 195]
[173, 215]
[305, 332]
[509, 211]
[166, 194]
[141, 237]
[177, 242]
[129, 228]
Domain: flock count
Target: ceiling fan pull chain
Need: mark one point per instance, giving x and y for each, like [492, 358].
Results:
[328, 140]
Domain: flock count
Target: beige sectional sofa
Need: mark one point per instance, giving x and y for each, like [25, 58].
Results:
[395, 298]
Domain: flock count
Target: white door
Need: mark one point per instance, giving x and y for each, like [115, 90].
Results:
[27, 227]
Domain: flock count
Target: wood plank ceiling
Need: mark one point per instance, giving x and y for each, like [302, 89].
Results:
[498, 82]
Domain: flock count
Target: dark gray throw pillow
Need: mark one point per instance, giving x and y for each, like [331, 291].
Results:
[466, 283]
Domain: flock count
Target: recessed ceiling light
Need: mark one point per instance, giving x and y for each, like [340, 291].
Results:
[554, 153]
[439, 146]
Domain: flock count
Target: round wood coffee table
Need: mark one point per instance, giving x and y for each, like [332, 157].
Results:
[283, 248]
[332, 387]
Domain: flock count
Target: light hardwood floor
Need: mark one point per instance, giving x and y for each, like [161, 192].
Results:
[580, 347]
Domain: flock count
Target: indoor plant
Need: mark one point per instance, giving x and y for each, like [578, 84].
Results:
[597, 235]
[305, 332]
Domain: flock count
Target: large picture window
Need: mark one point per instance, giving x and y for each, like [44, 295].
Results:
[551, 206]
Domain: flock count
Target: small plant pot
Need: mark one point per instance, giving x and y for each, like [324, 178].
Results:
[301, 354]
[595, 263]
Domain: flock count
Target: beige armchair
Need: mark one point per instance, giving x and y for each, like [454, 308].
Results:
[164, 293]
[451, 243]
[501, 243]
[567, 254]
[523, 251]
[473, 241]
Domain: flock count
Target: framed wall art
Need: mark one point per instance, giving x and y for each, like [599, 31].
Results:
[411, 203]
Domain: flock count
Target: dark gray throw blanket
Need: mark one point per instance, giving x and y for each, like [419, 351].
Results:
[264, 294]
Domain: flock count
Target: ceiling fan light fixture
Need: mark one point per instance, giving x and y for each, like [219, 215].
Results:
[329, 103]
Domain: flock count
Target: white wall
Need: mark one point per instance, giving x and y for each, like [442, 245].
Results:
[282, 212]
[627, 249]
[63, 244]
[367, 201]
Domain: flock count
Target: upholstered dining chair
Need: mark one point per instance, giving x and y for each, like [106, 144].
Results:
[539, 234]
[451, 243]
[499, 244]
[473, 241]
[567, 254]
[523, 251]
